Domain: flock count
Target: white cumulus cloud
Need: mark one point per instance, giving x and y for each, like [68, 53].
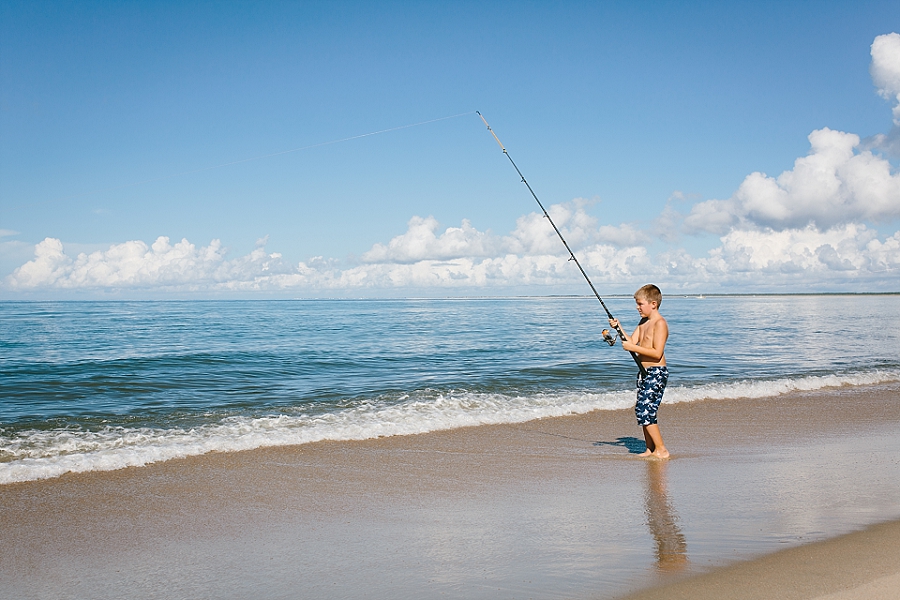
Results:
[836, 183]
[421, 243]
[839, 182]
[885, 69]
[534, 234]
[134, 264]
[758, 259]
[804, 250]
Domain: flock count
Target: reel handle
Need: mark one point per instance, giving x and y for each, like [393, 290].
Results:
[609, 337]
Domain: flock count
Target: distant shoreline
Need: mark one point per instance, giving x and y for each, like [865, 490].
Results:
[704, 295]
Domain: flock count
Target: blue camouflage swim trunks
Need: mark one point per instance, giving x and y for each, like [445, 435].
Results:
[649, 394]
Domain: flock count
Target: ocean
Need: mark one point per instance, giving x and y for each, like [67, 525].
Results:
[87, 386]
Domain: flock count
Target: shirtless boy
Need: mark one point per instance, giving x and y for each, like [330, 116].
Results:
[649, 342]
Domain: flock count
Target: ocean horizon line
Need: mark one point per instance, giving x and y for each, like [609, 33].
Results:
[471, 297]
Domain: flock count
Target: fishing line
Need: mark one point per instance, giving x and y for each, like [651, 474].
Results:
[262, 156]
[608, 339]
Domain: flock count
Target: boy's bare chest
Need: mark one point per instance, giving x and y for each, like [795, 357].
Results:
[645, 335]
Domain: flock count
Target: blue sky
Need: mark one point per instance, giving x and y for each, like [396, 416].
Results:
[641, 123]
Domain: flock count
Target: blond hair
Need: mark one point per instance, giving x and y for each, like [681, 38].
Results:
[650, 293]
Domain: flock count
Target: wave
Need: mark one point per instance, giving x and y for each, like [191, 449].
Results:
[29, 455]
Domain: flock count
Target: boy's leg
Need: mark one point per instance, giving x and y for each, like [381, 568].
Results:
[649, 443]
[655, 446]
[649, 395]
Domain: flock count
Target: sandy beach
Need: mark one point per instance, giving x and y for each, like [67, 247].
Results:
[757, 500]
[857, 566]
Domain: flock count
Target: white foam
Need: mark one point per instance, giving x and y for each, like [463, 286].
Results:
[40, 454]
[777, 387]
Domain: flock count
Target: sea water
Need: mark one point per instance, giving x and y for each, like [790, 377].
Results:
[104, 385]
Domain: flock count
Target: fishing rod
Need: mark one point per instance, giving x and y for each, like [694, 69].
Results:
[609, 339]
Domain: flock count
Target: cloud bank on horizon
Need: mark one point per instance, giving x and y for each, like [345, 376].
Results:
[809, 228]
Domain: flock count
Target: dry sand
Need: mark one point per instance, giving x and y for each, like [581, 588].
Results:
[555, 508]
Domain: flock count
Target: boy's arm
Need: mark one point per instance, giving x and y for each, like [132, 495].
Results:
[614, 323]
[626, 339]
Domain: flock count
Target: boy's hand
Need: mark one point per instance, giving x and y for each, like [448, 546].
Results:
[614, 323]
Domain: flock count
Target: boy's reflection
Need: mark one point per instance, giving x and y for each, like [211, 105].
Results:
[671, 547]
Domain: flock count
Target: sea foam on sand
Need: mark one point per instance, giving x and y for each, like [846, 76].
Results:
[40, 454]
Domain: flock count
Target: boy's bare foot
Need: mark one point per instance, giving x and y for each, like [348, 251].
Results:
[658, 454]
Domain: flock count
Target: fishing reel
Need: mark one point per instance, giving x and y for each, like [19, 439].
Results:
[609, 337]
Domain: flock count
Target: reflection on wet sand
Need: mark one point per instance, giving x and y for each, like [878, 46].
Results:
[662, 520]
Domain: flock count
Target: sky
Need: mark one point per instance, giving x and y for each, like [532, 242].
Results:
[332, 149]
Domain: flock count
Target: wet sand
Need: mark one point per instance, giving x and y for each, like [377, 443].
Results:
[554, 508]
[861, 565]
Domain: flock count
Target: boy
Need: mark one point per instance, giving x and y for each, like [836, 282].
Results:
[649, 342]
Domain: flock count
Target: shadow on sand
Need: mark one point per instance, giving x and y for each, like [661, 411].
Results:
[632, 444]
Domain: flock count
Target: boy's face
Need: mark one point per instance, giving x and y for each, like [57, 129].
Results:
[645, 307]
